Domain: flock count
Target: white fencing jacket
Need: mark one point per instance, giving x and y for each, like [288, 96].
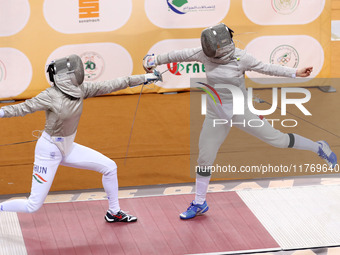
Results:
[226, 71]
[63, 111]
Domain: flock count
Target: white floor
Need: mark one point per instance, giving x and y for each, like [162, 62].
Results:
[298, 217]
[11, 239]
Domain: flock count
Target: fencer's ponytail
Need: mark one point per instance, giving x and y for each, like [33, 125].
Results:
[51, 72]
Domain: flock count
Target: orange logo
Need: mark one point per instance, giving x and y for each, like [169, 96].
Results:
[88, 9]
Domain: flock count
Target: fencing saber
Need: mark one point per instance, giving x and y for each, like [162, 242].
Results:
[140, 94]
[29, 141]
[133, 122]
[8, 144]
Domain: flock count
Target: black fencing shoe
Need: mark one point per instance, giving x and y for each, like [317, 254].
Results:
[119, 217]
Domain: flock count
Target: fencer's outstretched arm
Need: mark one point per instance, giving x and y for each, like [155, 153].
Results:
[92, 89]
[185, 55]
[252, 64]
[40, 102]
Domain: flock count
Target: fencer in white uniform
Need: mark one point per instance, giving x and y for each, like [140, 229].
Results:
[63, 105]
[225, 64]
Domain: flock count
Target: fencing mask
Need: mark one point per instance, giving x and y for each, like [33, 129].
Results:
[71, 66]
[217, 41]
[67, 74]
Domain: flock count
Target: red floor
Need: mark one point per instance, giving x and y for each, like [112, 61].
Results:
[80, 228]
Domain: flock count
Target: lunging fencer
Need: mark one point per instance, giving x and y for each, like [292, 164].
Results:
[63, 105]
[225, 64]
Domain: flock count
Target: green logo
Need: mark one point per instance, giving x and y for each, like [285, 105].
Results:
[90, 65]
[93, 65]
[179, 3]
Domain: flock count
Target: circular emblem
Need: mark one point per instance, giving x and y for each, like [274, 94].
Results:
[93, 65]
[2, 71]
[285, 6]
[285, 55]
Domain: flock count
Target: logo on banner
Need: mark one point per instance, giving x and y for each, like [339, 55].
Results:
[285, 55]
[2, 71]
[88, 11]
[93, 65]
[285, 6]
[179, 69]
[184, 6]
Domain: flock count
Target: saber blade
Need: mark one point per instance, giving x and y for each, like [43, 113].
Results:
[133, 122]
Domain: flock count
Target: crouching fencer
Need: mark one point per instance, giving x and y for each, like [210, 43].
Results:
[63, 104]
[225, 64]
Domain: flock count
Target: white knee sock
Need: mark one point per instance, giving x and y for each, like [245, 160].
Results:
[202, 183]
[110, 184]
[303, 143]
[17, 205]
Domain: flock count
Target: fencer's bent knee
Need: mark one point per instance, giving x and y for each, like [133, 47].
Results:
[110, 168]
[207, 155]
[33, 207]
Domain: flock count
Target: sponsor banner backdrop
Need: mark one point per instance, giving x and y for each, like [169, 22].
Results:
[13, 83]
[289, 51]
[178, 74]
[14, 16]
[112, 37]
[283, 12]
[99, 60]
[72, 17]
[186, 14]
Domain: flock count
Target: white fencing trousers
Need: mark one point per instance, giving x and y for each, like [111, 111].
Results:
[211, 138]
[47, 159]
